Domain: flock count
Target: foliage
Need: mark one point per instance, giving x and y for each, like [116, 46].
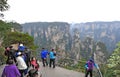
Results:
[2, 57]
[16, 26]
[17, 37]
[80, 66]
[7, 37]
[4, 27]
[69, 64]
[112, 68]
[3, 6]
[114, 61]
[106, 72]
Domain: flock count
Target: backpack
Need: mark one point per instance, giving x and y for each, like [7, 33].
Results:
[90, 65]
[33, 73]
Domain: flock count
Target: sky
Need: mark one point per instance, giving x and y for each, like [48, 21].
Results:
[77, 11]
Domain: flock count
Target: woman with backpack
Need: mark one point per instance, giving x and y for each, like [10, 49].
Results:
[21, 64]
[89, 67]
[52, 55]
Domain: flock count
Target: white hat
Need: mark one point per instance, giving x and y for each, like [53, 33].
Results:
[19, 53]
[21, 44]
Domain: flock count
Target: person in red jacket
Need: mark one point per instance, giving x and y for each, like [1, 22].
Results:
[34, 63]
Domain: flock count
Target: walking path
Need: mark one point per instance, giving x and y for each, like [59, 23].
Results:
[54, 72]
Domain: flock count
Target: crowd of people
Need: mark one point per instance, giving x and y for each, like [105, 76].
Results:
[19, 61]
[52, 56]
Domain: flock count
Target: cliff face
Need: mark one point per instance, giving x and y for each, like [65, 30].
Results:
[79, 40]
[106, 32]
[50, 35]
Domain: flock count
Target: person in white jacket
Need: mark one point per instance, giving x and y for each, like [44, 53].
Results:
[21, 64]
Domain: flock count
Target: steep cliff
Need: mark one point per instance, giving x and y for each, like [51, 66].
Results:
[80, 40]
[50, 35]
[106, 32]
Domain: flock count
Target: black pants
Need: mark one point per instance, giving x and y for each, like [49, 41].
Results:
[87, 73]
[44, 61]
[22, 72]
[52, 61]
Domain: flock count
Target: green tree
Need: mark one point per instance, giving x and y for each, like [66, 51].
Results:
[17, 37]
[114, 61]
[16, 26]
[4, 27]
[3, 6]
[7, 37]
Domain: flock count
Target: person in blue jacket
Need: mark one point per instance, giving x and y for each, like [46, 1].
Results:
[52, 56]
[89, 67]
[21, 48]
[44, 54]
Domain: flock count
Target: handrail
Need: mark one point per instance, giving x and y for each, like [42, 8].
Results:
[85, 61]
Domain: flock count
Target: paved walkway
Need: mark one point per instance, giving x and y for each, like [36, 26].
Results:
[59, 72]
[56, 72]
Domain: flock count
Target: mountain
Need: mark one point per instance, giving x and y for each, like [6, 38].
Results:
[106, 32]
[48, 35]
[78, 40]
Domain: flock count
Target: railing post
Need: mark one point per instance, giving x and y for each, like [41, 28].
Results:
[100, 72]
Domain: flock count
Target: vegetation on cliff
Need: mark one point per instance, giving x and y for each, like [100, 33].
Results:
[7, 37]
